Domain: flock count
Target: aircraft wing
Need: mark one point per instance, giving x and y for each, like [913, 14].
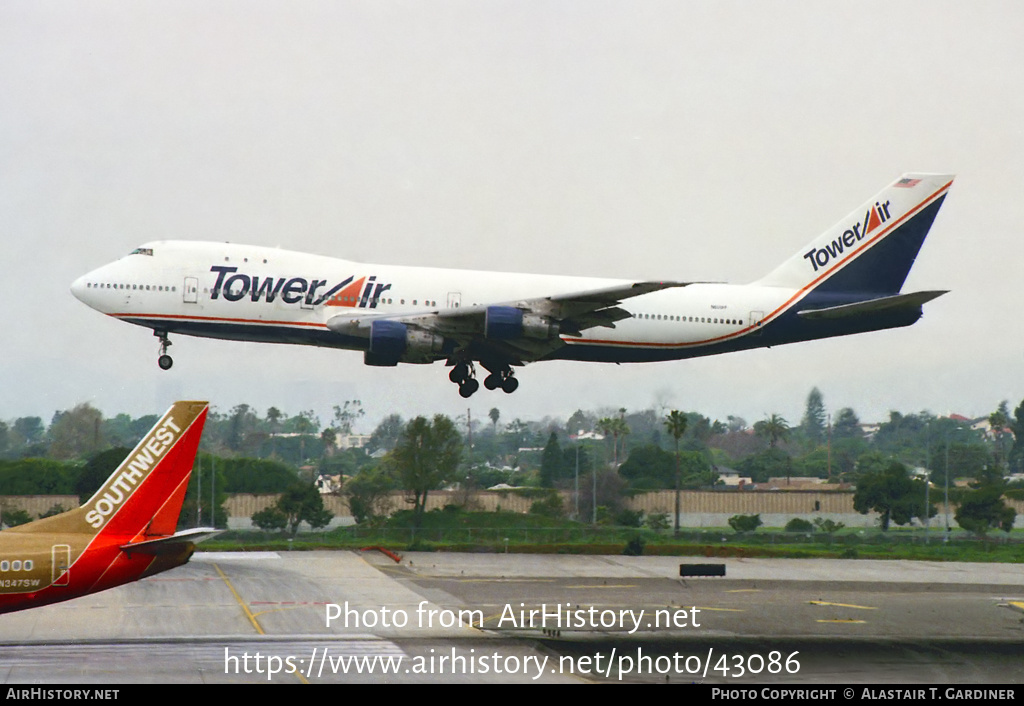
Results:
[520, 331]
[171, 544]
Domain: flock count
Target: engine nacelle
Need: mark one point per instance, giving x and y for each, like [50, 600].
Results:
[508, 322]
[392, 342]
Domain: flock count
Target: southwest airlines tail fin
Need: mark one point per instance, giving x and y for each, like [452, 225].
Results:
[142, 498]
[871, 251]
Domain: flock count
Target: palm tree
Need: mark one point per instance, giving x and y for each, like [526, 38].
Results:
[621, 431]
[774, 428]
[606, 426]
[999, 422]
[675, 423]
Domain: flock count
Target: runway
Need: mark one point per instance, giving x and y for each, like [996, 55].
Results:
[347, 617]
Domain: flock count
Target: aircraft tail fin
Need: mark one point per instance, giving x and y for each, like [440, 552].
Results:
[872, 250]
[142, 498]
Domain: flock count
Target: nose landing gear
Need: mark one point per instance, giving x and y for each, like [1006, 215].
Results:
[164, 361]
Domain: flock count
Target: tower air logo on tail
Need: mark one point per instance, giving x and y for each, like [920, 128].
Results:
[873, 218]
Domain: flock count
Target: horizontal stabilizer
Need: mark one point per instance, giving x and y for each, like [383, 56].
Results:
[914, 300]
[172, 544]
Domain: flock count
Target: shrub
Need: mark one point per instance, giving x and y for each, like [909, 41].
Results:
[799, 525]
[745, 523]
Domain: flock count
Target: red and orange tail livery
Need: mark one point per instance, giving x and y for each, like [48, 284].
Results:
[124, 532]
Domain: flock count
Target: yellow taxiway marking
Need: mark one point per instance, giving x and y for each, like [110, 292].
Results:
[238, 598]
[844, 605]
[249, 614]
[1017, 605]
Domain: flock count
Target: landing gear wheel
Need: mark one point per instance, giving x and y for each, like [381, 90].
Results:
[509, 384]
[464, 376]
[459, 373]
[165, 362]
[493, 381]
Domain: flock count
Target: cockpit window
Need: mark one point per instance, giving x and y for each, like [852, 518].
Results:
[142, 251]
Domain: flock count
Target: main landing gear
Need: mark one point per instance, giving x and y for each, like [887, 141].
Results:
[504, 378]
[463, 374]
[164, 361]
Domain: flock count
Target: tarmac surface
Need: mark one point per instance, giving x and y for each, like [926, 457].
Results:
[349, 617]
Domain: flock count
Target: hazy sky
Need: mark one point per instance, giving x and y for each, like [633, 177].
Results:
[676, 140]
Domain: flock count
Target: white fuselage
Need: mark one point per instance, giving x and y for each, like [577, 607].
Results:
[244, 292]
[847, 280]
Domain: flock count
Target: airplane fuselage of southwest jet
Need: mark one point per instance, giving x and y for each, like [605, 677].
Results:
[846, 281]
[124, 532]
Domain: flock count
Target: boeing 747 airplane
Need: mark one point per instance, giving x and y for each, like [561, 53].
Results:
[846, 281]
[124, 532]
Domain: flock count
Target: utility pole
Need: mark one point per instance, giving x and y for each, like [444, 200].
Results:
[927, 477]
[576, 493]
[946, 538]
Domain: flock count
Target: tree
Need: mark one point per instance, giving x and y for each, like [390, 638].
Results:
[893, 494]
[1016, 458]
[270, 518]
[614, 427]
[346, 415]
[999, 422]
[767, 464]
[28, 431]
[495, 415]
[77, 432]
[984, 509]
[97, 470]
[965, 461]
[675, 424]
[251, 475]
[387, 434]
[649, 466]
[367, 491]
[549, 505]
[579, 421]
[813, 424]
[242, 424]
[774, 429]
[302, 503]
[12, 517]
[551, 463]
[607, 487]
[426, 456]
[847, 425]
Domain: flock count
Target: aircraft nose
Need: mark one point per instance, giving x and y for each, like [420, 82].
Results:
[79, 286]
